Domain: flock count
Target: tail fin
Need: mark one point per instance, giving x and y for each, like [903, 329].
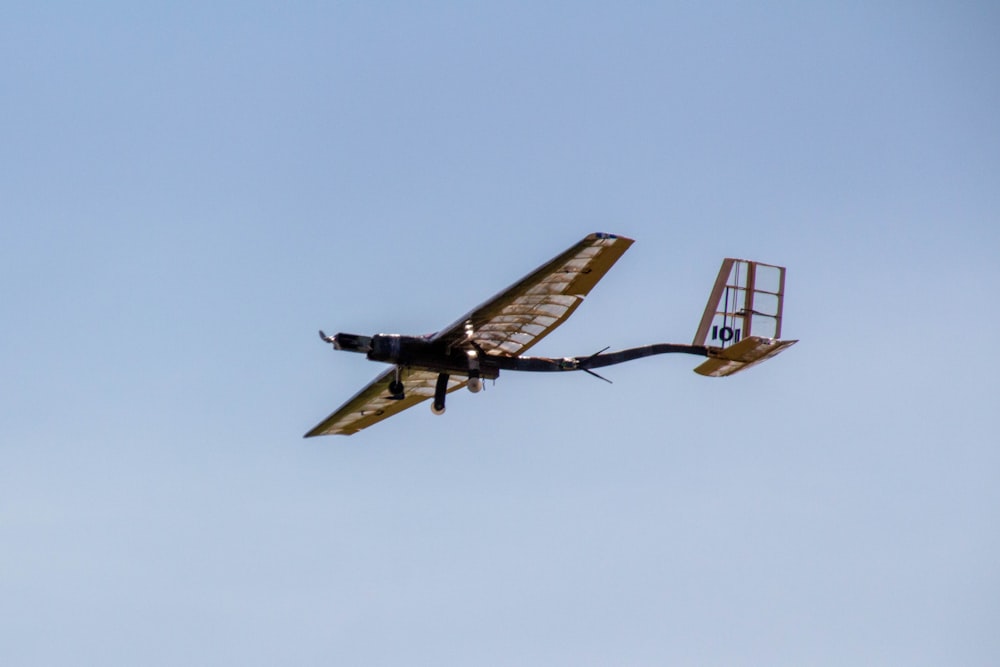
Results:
[741, 325]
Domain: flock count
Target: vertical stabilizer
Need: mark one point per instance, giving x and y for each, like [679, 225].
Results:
[746, 300]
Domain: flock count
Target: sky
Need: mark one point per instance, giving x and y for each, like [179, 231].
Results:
[190, 190]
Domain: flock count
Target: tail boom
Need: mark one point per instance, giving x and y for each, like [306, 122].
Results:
[740, 328]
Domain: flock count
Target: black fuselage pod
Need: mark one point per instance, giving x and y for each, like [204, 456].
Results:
[351, 342]
[423, 352]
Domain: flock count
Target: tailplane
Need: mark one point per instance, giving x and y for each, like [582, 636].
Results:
[741, 325]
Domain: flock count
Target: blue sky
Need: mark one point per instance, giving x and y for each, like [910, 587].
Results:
[189, 192]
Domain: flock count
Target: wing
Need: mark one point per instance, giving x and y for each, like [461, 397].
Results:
[530, 309]
[373, 403]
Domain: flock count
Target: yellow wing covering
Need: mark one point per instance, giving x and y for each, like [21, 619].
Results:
[373, 403]
[530, 309]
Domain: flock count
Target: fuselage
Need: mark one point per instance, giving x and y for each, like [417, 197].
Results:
[426, 353]
[419, 352]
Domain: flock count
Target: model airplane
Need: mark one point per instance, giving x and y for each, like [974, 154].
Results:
[741, 327]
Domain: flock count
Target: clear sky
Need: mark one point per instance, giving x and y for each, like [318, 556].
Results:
[190, 190]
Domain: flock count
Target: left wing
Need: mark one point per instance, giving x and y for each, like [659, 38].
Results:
[530, 309]
[373, 403]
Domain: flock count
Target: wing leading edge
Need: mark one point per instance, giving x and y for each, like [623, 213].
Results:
[505, 325]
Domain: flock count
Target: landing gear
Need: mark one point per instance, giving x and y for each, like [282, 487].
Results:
[396, 391]
[440, 391]
[475, 382]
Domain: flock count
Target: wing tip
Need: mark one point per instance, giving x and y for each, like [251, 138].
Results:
[315, 434]
[607, 236]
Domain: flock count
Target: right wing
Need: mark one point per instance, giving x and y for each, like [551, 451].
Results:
[521, 315]
[373, 403]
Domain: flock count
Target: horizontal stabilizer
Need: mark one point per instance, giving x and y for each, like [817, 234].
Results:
[742, 355]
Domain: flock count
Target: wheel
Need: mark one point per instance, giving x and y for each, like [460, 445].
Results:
[440, 393]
